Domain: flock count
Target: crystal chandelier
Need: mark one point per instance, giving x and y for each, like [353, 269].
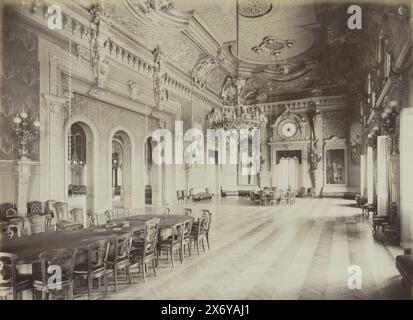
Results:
[234, 113]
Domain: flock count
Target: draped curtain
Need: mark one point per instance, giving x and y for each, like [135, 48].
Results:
[382, 175]
[288, 173]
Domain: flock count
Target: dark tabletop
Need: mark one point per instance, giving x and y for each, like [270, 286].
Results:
[28, 248]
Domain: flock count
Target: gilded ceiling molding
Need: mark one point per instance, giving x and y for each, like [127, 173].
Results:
[156, 14]
[254, 8]
[201, 71]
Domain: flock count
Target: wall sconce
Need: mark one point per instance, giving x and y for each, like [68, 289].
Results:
[372, 136]
[389, 116]
[25, 133]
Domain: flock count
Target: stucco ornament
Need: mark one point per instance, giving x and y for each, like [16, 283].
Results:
[159, 78]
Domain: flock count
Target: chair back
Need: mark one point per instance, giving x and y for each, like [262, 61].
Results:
[63, 259]
[184, 194]
[167, 211]
[110, 215]
[76, 215]
[177, 233]
[179, 195]
[92, 218]
[11, 231]
[151, 236]
[62, 211]
[50, 207]
[206, 223]
[34, 207]
[120, 213]
[8, 210]
[98, 252]
[187, 228]
[122, 245]
[7, 272]
[187, 212]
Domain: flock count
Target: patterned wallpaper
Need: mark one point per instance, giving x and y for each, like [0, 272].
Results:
[335, 124]
[19, 84]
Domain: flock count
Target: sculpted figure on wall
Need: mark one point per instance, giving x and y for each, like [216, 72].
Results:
[159, 78]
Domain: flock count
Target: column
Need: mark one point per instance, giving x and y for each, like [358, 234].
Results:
[406, 176]
[382, 175]
[370, 177]
[56, 152]
[363, 175]
[23, 175]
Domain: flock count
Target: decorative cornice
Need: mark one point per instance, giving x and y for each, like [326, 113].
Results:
[136, 58]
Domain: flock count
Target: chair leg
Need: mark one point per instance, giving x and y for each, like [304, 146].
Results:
[153, 267]
[144, 271]
[203, 246]
[207, 239]
[197, 245]
[105, 280]
[89, 287]
[172, 257]
[189, 248]
[115, 277]
[128, 274]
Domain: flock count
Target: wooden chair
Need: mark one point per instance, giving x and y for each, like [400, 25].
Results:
[63, 221]
[34, 207]
[206, 226]
[369, 207]
[187, 212]
[50, 211]
[11, 231]
[180, 196]
[76, 215]
[120, 213]
[119, 259]
[196, 235]
[92, 219]
[257, 198]
[389, 224]
[272, 198]
[310, 193]
[11, 283]
[186, 240]
[167, 211]
[284, 198]
[95, 266]
[56, 280]
[187, 196]
[110, 215]
[173, 243]
[144, 249]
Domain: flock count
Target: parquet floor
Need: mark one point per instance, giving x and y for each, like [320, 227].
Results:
[293, 252]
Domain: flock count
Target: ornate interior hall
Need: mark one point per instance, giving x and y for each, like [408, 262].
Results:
[220, 149]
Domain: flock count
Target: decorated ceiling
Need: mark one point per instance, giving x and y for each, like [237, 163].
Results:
[282, 45]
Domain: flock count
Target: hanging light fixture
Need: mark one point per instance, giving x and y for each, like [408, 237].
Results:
[234, 114]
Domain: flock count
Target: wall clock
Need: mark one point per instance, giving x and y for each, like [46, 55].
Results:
[288, 128]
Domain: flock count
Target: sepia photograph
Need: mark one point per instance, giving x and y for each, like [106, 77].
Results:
[220, 151]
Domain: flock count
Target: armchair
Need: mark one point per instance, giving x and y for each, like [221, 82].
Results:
[64, 222]
[36, 216]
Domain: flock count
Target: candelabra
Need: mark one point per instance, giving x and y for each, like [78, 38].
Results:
[25, 133]
[389, 117]
[372, 137]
